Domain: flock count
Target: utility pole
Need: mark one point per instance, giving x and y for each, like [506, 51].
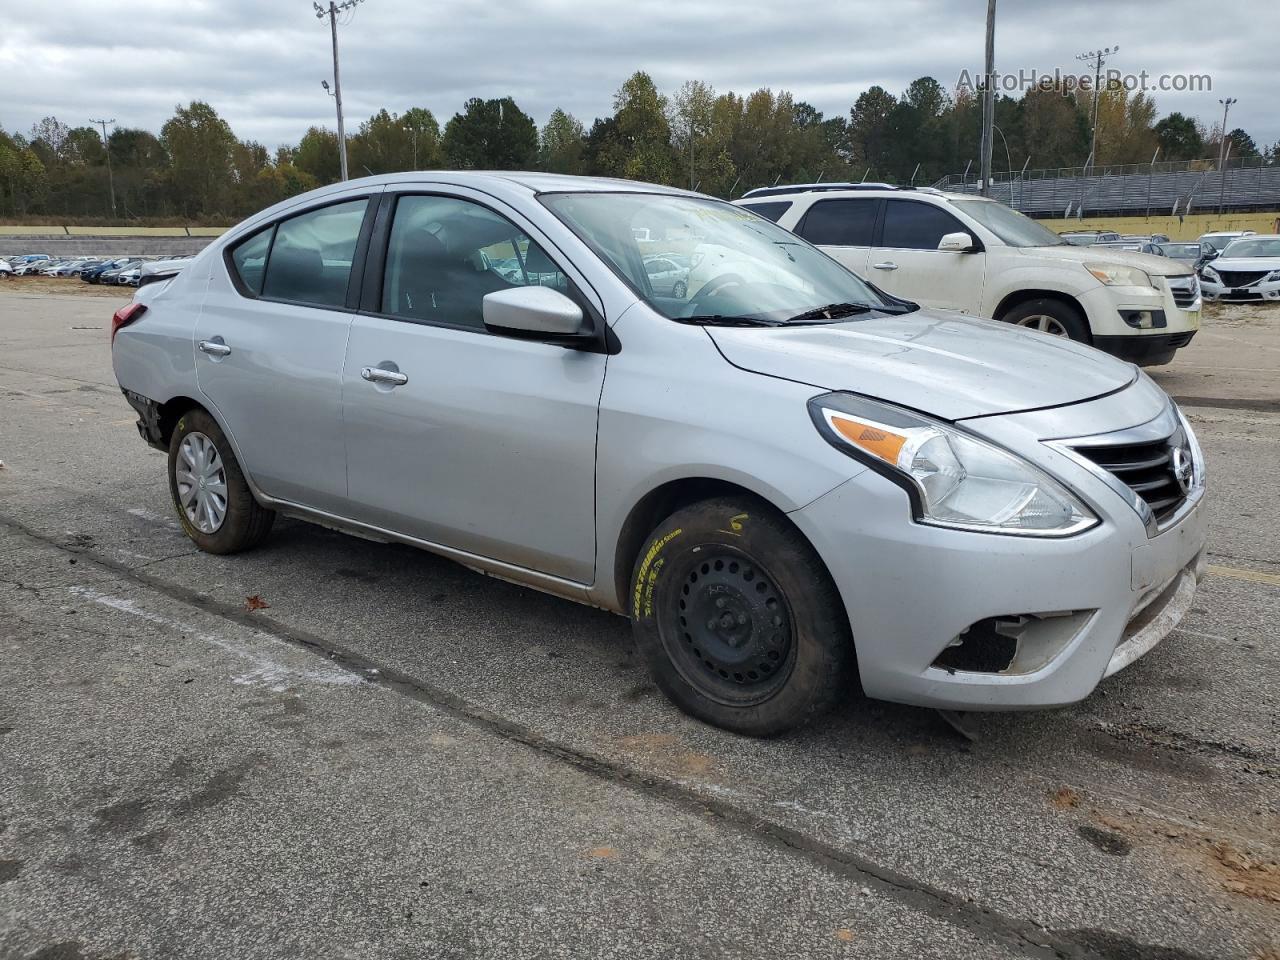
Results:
[989, 99]
[1224, 150]
[332, 13]
[106, 145]
[1097, 58]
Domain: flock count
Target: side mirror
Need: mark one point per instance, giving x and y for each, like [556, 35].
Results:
[957, 243]
[532, 312]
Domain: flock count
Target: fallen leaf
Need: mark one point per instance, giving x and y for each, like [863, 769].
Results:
[604, 853]
[845, 934]
[255, 602]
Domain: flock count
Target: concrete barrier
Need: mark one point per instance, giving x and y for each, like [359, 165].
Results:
[1181, 229]
[107, 241]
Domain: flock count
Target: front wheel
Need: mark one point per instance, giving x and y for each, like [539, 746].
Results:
[738, 619]
[215, 506]
[1052, 316]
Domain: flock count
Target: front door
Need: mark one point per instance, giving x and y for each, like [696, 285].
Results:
[908, 263]
[270, 342]
[843, 229]
[459, 436]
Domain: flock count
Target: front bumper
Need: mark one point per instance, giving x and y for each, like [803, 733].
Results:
[1254, 293]
[1099, 600]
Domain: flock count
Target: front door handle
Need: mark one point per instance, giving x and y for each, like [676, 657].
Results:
[393, 378]
[215, 347]
[887, 265]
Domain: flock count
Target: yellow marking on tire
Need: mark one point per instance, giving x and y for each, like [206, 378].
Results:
[1253, 576]
[647, 578]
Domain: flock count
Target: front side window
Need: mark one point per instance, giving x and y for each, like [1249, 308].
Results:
[841, 223]
[770, 210]
[444, 255]
[917, 226]
[310, 258]
[730, 265]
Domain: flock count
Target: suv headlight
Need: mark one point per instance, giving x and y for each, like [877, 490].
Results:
[1118, 275]
[953, 478]
[1209, 273]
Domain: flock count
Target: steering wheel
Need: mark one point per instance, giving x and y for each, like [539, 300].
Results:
[711, 288]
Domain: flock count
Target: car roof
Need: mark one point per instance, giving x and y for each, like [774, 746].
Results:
[532, 181]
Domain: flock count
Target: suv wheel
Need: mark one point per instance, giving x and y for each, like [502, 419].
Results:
[1051, 316]
[215, 506]
[738, 619]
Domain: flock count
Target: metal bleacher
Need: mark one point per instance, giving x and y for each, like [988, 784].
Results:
[1134, 189]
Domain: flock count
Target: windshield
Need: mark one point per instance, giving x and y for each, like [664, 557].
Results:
[1220, 243]
[1264, 247]
[1180, 249]
[1014, 228]
[697, 259]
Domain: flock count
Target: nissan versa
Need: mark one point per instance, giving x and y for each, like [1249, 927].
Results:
[791, 482]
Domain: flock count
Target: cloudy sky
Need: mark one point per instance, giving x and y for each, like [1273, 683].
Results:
[260, 62]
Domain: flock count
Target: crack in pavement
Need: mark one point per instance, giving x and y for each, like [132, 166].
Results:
[1027, 936]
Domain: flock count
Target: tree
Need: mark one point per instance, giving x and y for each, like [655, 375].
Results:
[1054, 129]
[562, 145]
[636, 144]
[200, 144]
[869, 127]
[491, 134]
[387, 143]
[1126, 130]
[692, 115]
[1180, 138]
[424, 138]
[1242, 144]
[317, 155]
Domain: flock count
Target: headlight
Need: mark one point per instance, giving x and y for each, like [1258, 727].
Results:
[953, 478]
[1117, 275]
[1209, 274]
[1273, 276]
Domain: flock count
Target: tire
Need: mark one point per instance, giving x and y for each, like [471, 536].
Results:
[243, 522]
[679, 290]
[738, 619]
[1050, 315]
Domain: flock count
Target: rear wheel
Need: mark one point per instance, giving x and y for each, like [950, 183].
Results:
[215, 506]
[1052, 316]
[738, 619]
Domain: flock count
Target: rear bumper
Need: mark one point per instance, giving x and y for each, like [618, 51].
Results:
[1146, 350]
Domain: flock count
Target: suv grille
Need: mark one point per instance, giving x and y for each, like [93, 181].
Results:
[1148, 469]
[1184, 290]
[1240, 278]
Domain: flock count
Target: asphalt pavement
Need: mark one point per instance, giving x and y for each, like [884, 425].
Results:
[334, 748]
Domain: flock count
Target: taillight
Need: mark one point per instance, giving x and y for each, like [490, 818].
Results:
[125, 316]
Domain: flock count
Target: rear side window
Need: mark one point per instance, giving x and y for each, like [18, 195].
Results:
[249, 260]
[770, 211]
[310, 258]
[917, 226]
[841, 223]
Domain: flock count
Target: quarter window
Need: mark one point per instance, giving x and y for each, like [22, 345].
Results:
[910, 225]
[310, 259]
[841, 223]
[771, 210]
[444, 255]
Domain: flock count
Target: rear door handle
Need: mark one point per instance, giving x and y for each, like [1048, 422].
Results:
[887, 265]
[392, 378]
[214, 347]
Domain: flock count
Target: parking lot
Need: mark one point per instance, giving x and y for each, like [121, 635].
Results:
[334, 748]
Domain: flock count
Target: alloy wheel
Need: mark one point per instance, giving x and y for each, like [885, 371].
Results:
[1045, 324]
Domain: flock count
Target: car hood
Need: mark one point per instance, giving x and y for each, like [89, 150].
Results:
[938, 362]
[1245, 263]
[1152, 264]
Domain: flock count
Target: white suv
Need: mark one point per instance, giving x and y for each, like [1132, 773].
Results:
[978, 256]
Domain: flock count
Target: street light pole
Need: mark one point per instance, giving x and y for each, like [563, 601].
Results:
[989, 99]
[1097, 58]
[332, 13]
[106, 145]
[1224, 150]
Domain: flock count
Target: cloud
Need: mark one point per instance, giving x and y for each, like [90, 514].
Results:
[260, 63]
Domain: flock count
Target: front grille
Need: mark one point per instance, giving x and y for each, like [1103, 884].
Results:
[1147, 469]
[1185, 290]
[1240, 278]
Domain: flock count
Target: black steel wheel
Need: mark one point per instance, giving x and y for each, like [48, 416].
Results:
[738, 619]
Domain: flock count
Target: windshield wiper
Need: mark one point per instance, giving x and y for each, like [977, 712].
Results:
[720, 320]
[832, 311]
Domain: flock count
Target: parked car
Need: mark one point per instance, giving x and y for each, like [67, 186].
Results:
[30, 265]
[6, 271]
[128, 277]
[1190, 254]
[980, 257]
[668, 276]
[778, 476]
[1085, 238]
[1248, 269]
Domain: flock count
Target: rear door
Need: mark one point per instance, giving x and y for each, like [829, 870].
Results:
[456, 435]
[908, 263]
[844, 229]
[270, 343]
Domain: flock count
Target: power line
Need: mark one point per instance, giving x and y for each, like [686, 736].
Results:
[1098, 58]
[106, 145]
[332, 13]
